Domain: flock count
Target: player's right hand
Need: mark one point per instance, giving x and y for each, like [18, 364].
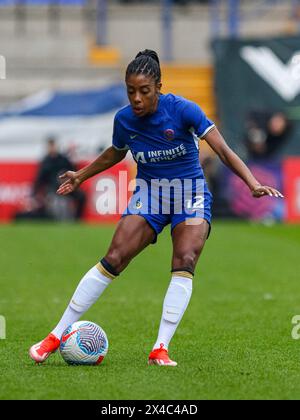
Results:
[70, 182]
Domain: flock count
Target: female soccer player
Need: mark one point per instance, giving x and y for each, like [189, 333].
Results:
[162, 133]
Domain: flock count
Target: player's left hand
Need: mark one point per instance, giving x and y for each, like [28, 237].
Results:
[71, 182]
[262, 190]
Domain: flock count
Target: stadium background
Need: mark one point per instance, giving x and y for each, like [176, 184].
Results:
[65, 63]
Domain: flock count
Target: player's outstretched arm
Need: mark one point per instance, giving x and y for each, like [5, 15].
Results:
[72, 180]
[231, 159]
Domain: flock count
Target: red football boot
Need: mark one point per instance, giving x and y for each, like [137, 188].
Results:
[160, 357]
[41, 351]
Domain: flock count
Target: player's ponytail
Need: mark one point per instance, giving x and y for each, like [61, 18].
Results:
[146, 62]
[149, 53]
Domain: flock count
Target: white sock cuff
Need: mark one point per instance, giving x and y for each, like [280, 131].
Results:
[182, 281]
[94, 271]
[89, 289]
[177, 298]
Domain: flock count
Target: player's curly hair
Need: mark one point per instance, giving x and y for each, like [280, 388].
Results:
[146, 62]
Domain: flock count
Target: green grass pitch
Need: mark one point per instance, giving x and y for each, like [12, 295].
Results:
[234, 341]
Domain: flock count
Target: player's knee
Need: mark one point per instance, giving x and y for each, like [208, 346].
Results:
[186, 259]
[117, 260]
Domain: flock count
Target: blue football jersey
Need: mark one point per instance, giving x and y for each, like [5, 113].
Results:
[164, 144]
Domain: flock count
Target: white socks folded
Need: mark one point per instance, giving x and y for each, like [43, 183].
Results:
[176, 301]
[96, 281]
[87, 293]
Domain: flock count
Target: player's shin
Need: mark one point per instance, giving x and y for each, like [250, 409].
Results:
[87, 293]
[176, 301]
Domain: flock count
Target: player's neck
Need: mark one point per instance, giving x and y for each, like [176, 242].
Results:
[155, 105]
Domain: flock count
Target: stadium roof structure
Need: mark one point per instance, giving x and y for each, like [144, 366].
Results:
[70, 103]
[83, 119]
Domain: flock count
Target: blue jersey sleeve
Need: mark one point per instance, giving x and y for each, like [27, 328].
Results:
[195, 120]
[119, 136]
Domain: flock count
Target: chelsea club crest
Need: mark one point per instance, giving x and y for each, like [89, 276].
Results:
[169, 134]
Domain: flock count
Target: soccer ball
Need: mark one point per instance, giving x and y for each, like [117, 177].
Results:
[83, 343]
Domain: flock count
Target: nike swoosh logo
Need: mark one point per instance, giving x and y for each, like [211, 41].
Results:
[66, 337]
[74, 303]
[133, 137]
[283, 78]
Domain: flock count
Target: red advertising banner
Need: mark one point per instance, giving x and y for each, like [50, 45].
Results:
[15, 187]
[107, 193]
[291, 179]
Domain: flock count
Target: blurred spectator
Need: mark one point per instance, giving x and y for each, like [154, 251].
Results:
[213, 170]
[266, 134]
[45, 203]
[209, 163]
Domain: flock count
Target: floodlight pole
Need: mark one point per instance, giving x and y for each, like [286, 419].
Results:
[101, 36]
[167, 20]
[233, 18]
[215, 18]
[295, 13]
